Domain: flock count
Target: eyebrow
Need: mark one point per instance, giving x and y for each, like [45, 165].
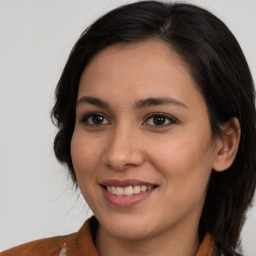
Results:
[93, 101]
[158, 101]
[144, 103]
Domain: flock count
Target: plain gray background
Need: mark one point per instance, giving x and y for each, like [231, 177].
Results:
[36, 36]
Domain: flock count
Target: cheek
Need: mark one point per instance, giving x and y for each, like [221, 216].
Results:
[84, 155]
[185, 162]
[84, 158]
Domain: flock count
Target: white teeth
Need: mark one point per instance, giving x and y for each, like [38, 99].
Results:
[129, 190]
[149, 187]
[119, 191]
[113, 190]
[143, 188]
[136, 189]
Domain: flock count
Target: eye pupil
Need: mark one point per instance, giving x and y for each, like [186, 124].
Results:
[159, 120]
[97, 119]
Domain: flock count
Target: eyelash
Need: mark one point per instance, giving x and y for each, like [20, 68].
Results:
[165, 117]
[87, 120]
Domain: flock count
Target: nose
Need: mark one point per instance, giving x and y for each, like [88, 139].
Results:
[124, 149]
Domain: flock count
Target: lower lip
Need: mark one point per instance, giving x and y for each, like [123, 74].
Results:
[126, 201]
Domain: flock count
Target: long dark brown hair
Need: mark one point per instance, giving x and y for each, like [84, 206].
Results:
[220, 70]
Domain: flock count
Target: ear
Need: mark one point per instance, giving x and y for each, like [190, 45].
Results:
[227, 145]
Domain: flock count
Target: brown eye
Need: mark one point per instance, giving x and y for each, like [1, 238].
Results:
[160, 120]
[95, 120]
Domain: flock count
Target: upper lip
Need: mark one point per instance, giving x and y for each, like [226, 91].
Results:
[125, 183]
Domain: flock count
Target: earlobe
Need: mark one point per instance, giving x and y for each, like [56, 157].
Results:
[227, 145]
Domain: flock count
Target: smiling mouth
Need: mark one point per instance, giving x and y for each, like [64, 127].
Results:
[127, 193]
[128, 190]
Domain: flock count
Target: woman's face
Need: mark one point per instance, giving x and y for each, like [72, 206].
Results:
[142, 147]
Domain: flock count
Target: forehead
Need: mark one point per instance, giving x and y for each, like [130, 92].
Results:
[154, 51]
[139, 70]
[153, 54]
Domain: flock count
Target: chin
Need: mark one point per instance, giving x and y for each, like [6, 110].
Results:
[131, 228]
[130, 233]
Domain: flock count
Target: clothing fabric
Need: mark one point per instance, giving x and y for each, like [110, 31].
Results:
[82, 244]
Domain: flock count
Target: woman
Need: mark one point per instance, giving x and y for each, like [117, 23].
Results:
[152, 109]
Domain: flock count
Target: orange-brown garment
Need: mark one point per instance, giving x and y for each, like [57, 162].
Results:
[81, 244]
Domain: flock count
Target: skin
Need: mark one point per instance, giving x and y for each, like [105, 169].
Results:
[178, 155]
